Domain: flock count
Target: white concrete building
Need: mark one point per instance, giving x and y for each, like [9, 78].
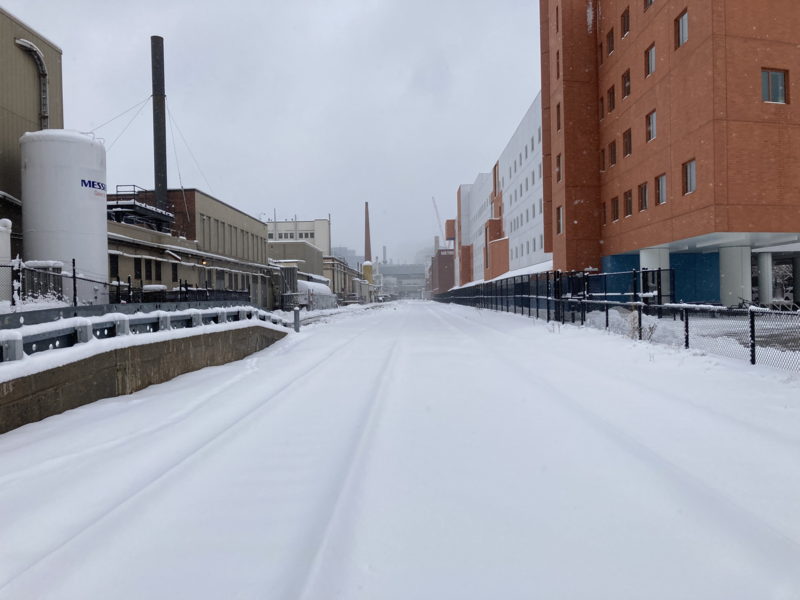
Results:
[521, 181]
[316, 232]
[475, 210]
[519, 170]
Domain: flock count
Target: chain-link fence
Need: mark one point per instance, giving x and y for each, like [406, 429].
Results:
[638, 305]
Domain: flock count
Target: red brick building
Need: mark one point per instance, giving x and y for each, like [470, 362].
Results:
[672, 138]
[443, 272]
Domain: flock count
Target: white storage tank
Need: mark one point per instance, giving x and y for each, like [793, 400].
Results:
[64, 201]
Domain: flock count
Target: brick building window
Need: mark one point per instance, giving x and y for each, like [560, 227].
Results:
[648, 3]
[626, 83]
[628, 203]
[605, 219]
[650, 126]
[661, 189]
[558, 168]
[602, 109]
[558, 117]
[689, 177]
[558, 64]
[602, 160]
[612, 99]
[650, 61]
[612, 153]
[773, 86]
[615, 209]
[158, 270]
[148, 269]
[682, 29]
[643, 197]
[560, 220]
[627, 142]
[600, 48]
[174, 271]
[610, 42]
[625, 22]
[137, 268]
[113, 265]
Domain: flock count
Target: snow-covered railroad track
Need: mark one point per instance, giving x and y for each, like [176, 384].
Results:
[423, 452]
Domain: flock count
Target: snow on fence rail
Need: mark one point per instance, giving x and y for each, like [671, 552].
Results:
[755, 334]
[23, 341]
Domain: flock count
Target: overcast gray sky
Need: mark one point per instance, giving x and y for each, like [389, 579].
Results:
[306, 107]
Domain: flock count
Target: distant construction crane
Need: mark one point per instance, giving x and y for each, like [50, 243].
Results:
[439, 222]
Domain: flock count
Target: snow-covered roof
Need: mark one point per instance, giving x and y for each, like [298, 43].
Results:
[312, 286]
[542, 267]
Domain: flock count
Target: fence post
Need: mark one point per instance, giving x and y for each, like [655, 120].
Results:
[658, 291]
[74, 285]
[606, 308]
[119, 291]
[130, 297]
[547, 294]
[686, 328]
[752, 337]
[639, 311]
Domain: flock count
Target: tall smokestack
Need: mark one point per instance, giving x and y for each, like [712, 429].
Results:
[367, 244]
[159, 123]
[384, 254]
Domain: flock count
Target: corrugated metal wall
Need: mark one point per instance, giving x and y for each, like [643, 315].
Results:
[19, 95]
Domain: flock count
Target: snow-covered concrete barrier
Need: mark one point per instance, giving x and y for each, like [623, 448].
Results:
[53, 382]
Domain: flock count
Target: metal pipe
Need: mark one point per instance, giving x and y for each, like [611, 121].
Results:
[159, 123]
[44, 80]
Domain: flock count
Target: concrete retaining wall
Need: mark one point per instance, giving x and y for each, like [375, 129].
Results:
[124, 371]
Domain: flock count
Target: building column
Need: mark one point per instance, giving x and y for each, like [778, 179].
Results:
[735, 282]
[765, 278]
[654, 259]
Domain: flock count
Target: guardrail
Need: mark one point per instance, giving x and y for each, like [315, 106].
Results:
[20, 341]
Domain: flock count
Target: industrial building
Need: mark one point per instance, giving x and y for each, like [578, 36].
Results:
[31, 99]
[316, 232]
[671, 140]
[441, 275]
[53, 190]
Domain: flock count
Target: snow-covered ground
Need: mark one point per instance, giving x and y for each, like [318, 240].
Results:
[418, 451]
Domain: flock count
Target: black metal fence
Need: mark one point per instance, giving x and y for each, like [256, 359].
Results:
[35, 285]
[640, 305]
[127, 292]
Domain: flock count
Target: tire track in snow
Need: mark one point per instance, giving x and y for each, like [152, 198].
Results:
[777, 545]
[195, 448]
[355, 465]
[770, 435]
[9, 479]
